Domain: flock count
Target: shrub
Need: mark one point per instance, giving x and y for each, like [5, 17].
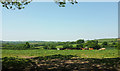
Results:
[45, 47]
[13, 63]
[79, 46]
[52, 47]
[27, 45]
[93, 44]
[104, 44]
[80, 41]
[113, 43]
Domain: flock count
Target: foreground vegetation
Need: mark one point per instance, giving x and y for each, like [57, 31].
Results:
[61, 63]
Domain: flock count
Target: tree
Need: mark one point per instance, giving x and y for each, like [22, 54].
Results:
[72, 42]
[93, 44]
[52, 46]
[61, 3]
[27, 45]
[116, 45]
[20, 4]
[70, 46]
[94, 41]
[80, 41]
[45, 47]
[13, 4]
[113, 43]
[79, 46]
[104, 44]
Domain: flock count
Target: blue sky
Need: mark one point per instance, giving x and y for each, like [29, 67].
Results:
[47, 21]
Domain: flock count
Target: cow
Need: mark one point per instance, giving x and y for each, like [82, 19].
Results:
[102, 48]
[90, 48]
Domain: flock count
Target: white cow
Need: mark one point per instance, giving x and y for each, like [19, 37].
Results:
[58, 48]
[102, 48]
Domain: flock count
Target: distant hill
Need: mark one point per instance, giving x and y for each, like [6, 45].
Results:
[36, 42]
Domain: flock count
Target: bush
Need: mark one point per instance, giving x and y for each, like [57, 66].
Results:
[27, 45]
[93, 44]
[104, 44]
[52, 47]
[80, 41]
[17, 46]
[17, 64]
[80, 46]
[45, 47]
[113, 43]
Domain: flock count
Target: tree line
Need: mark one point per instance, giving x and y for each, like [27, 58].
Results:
[81, 43]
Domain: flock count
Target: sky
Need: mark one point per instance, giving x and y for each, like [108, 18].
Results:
[0, 23]
[46, 21]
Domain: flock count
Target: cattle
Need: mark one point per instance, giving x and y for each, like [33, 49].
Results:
[102, 48]
[90, 48]
[58, 48]
[82, 49]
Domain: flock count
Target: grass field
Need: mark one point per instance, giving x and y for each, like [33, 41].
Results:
[107, 40]
[108, 53]
[40, 59]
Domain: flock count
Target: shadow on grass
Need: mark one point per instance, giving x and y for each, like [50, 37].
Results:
[17, 64]
[61, 63]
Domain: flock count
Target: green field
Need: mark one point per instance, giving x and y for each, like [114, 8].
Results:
[17, 58]
[62, 60]
[108, 53]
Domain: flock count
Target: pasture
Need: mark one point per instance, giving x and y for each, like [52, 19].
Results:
[62, 60]
[108, 53]
[44, 56]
